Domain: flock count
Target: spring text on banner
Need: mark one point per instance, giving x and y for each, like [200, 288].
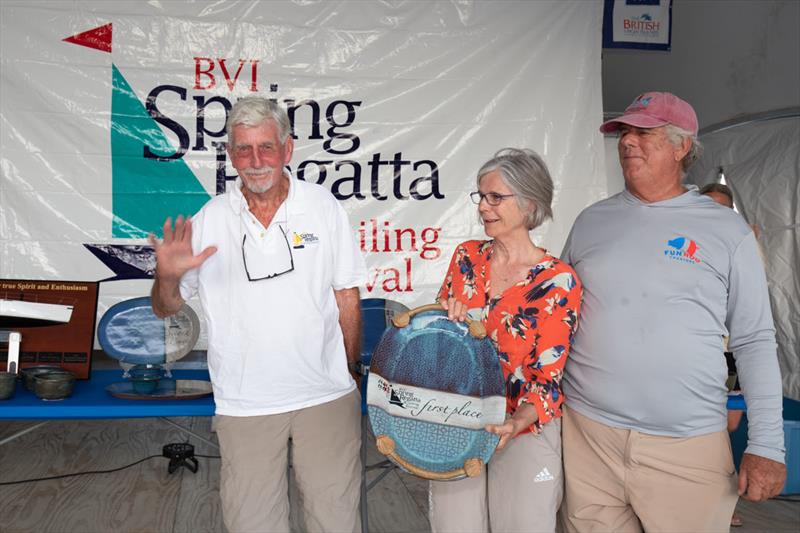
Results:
[346, 178]
[376, 236]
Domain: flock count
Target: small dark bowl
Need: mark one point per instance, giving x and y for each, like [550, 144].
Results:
[145, 378]
[32, 371]
[54, 385]
[8, 382]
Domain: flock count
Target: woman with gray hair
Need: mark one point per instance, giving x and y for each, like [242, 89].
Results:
[529, 302]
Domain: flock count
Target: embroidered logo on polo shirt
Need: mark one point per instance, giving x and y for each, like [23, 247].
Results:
[682, 249]
[300, 240]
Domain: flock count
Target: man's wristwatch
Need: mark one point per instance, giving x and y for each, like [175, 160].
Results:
[357, 367]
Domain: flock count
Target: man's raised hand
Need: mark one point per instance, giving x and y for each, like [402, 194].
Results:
[174, 256]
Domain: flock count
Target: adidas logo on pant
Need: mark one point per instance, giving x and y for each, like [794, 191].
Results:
[544, 475]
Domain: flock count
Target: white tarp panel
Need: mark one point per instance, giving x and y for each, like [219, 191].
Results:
[112, 115]
[761, 164]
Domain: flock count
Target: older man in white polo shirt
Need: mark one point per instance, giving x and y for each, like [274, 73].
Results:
[277, 270]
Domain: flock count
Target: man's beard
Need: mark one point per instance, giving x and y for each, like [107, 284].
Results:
[262, 186]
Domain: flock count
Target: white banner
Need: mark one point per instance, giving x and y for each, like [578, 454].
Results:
[112, 119]
[427, 405]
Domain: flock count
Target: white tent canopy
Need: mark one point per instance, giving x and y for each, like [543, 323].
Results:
[759, 157]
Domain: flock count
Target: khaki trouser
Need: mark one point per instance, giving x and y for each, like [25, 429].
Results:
[621, 480]
[326, 441]
[520, 490]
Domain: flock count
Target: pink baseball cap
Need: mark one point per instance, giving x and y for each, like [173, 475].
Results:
[651, 110]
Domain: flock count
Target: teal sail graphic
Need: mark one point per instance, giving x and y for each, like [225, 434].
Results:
[145, 191]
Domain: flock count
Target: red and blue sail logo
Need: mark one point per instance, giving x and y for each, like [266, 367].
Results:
[682, 249]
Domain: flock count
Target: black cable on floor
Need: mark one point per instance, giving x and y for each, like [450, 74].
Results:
[79, 473]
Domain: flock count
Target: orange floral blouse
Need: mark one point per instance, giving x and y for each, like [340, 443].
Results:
[531, 323]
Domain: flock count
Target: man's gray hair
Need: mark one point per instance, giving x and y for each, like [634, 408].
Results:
[253, 111]
[720, 188]
[526, 174]
[676, 136]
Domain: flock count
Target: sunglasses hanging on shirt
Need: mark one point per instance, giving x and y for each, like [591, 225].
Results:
[268, 259]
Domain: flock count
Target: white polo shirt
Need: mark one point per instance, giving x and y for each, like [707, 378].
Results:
[275, 345]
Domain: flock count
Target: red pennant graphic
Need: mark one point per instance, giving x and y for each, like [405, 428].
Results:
[98, 38]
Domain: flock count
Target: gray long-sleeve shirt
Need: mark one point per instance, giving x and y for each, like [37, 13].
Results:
[663, 284]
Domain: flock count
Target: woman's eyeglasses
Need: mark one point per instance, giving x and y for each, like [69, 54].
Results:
[492, 198]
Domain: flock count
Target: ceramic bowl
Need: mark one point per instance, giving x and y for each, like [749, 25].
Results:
[8, 382]
[145, 378]
[54, 385]
[32, 371]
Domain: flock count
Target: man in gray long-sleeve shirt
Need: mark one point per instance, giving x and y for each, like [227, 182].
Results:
[667, 273]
